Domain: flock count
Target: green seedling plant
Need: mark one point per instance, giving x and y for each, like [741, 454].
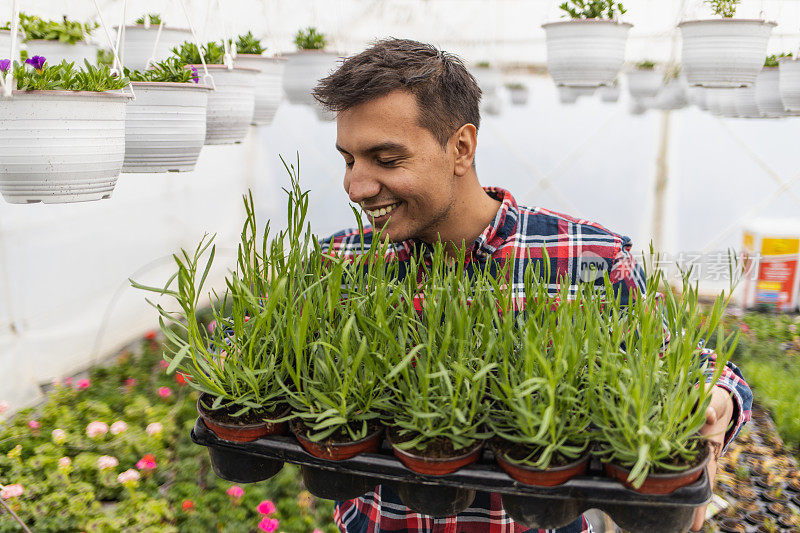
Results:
[65, 31]
[593, 9]
[654, 380]
[188, 54]
[36, 75]
[774, 59]
[242, 362]
[516, 86]
[645, 65]
[723, 8]
[169, 70]
[155, 18]
[538, 392]
[248, 44]
[310, 39]
[439, 377]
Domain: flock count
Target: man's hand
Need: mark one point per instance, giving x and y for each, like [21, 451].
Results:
[718, 417]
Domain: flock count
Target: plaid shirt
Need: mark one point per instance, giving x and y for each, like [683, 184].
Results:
[519, 232]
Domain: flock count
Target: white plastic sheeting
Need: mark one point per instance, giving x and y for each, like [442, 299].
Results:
[65, 301]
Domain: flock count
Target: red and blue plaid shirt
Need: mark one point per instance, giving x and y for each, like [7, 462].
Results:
[520, 233]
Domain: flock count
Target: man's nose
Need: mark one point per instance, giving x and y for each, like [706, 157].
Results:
[360, 184]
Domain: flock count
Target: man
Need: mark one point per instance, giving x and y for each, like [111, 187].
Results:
[407, 125]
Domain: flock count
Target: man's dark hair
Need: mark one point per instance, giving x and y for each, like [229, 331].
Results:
[447, 95]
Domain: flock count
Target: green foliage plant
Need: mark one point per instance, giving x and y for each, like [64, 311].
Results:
[65, 76]
[155, 18]
[169, 70]
[774, 59]
[248, 44]
[187, 53]
[439, 377]
[723, 8]
[310, 39]
[649, 400]
[241, 363]
[65, 31]
[645, 65]
[593, 9]
[538, 392]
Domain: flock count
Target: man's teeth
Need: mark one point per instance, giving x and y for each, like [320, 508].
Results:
[382, 211]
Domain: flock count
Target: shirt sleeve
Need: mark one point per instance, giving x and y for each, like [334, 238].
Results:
[628, 278]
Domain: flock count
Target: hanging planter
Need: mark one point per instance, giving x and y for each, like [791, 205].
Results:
[165, 126]
[589, 50]
[724, 52]
[138, 42]
[230, 104]
[62, 40]
[673, 95]
[746, 103]
[5, 43]
[303, 70]
[519, 93]
[768, 92]
[789, 82]
[269, 85]
[570, 95]
[645, 81]
[609, 94]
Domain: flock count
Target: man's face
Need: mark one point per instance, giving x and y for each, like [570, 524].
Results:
[396, 170]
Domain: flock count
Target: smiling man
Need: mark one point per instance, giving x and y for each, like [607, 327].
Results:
[407, 128]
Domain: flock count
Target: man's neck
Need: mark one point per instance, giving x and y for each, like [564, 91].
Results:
[471, 213]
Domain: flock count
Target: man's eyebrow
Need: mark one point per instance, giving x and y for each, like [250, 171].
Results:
[382, 147]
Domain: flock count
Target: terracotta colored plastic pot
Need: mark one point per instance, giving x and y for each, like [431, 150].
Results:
[239, 432]
[660, 483]
[550, 477]
[337, 451]
[435, 466]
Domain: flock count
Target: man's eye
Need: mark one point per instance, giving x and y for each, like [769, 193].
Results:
[388, 162]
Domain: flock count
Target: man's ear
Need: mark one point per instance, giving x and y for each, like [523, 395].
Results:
[464, 142]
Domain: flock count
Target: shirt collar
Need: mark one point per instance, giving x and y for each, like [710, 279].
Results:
[495, 234]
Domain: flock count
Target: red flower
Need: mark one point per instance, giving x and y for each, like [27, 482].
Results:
[150, 335]
[148, 462]
[187, 505]
[180, 378]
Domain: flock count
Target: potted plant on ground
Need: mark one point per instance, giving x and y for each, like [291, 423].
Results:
[644, 81]
[58, 41]
[231, 103]
[789, 82]
[724, 52]
[519, 93]
[438, 411]
[149, 40]
[269, 84]
[165, 126]
[589, 49]
[307, 66]
[768, 93]
[62, 133]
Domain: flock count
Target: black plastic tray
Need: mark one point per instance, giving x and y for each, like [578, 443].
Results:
[549, 507]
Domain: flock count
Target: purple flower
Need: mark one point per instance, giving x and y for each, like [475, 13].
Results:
[37, 62]
[5, 64]
[195, 75]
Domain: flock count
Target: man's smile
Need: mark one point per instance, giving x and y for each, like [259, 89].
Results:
[381, 211]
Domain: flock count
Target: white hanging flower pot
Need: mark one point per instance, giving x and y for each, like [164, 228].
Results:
[570, 95]
[746, 103]
[5, 44]
[644, 83]
[586, 52]
[672, 95]
[768, 93]
[724, 52]
[303, 70]
[138, 41]
[489, 79]
[230, 104]
[722, 102]
[61, 146]
[609, 94]
[56, 51]
[269, 85]
[165, 126]
[789, 81]
[519, 95]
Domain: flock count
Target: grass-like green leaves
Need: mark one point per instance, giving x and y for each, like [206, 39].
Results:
[310, 39]
[155, 18]
[65, 76]
[188, 54]
[248, 44]
[171, 69]
[65, 31]
[593, 9]
[723, 8]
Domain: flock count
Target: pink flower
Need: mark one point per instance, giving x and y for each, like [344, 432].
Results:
[106, 462]
[318, 530]
[64, 463]
[130, 382]
[12, 491]
[744, 327]
[266, 507]
[235, 492]
[83, 384]
[129, 476]
[211, 326]
[96, 429]
[268, 524]
[118, 427]
[154, 429]
[163, 365]
[68, 381]
[34, 424]
[59, 436]
[148, 462]
[4, 407]
[164, 392]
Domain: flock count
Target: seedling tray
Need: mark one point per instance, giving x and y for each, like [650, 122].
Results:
[549, 507]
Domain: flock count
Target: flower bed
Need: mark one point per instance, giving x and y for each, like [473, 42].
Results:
[112, 451]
